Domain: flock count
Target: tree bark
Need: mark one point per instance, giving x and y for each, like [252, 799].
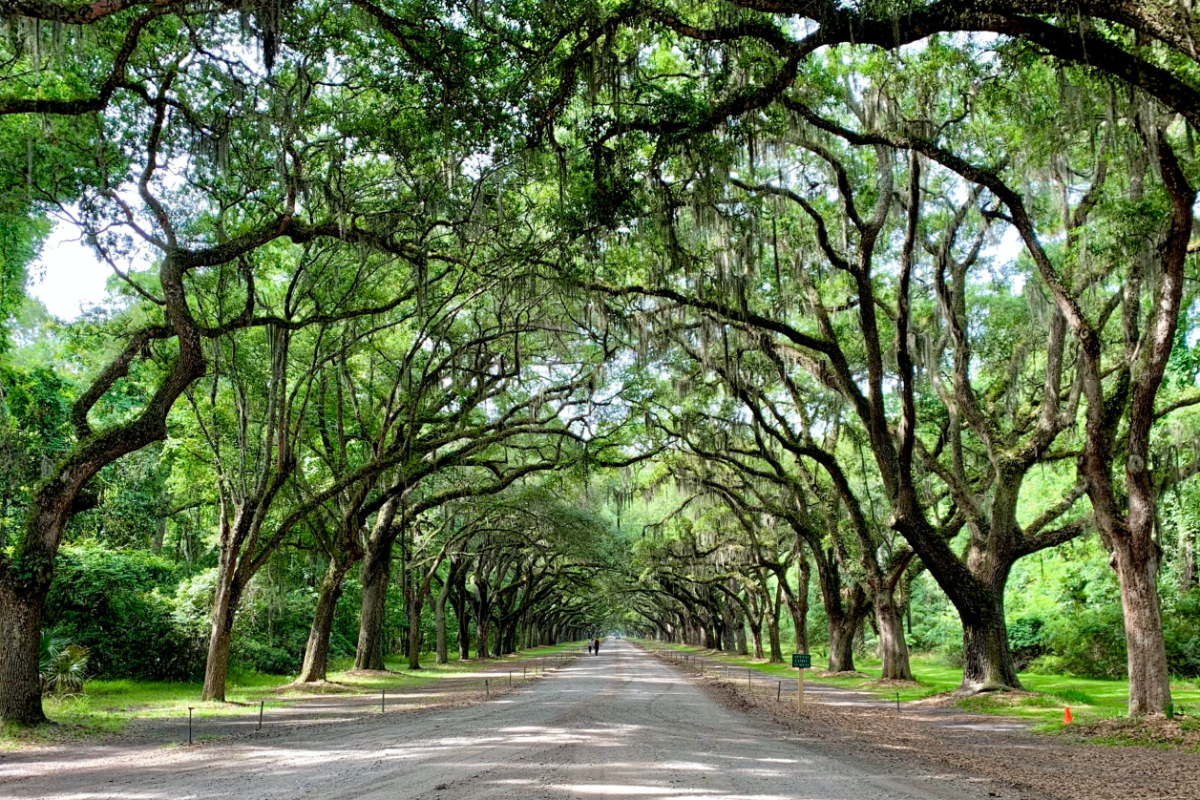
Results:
[20, 629]
[464, 633]
[376, 572]
[442, 655]
[415, 605]
[739, 633]
[1187, 557]
[773, 626]
[1149, 681]
[893, 649]
[798, 603]
[756, 639]
[483, 626]
[841, 643]
[220, 640]
[225, 604]
[316, 652]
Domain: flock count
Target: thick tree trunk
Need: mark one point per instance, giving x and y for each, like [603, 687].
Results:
[843, 618]
[841, 645]
[729, 628]
[316, 652]
[1149, 679]
[773, 626]
[798, 605]
[414, 632]
[462, 613]
[464, 638]
[22, 596]
[987, 662]
[442, 655]
[216, 667]
[376, 571]
[225, 605]
[482, 629]
[756, 637]
[754, 619]
[893, 649]
[20, 629]
[844, 627]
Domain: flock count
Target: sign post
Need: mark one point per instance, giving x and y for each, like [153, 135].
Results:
[801, 661]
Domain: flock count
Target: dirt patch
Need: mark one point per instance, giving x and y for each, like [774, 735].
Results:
[844, 674]
[1182, 731]
[937, 737]
[317, 687]
[892, 683]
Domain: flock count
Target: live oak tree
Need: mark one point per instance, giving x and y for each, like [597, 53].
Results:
[252, 411]
[467, 405]
[192, 158]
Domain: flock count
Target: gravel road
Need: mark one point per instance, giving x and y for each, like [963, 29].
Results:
[618, 725]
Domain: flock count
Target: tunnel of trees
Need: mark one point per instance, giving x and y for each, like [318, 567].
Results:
[447, 329]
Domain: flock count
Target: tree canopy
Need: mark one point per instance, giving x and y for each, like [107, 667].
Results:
[565, 318]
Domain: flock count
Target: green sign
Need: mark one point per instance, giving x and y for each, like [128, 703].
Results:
[801, 660]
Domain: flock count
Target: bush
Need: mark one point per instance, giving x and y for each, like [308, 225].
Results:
[110, 603]
[1181, 627]
[61, 665]
[952, 654]
[251, 654]
[1026, 641]
[1089, 643]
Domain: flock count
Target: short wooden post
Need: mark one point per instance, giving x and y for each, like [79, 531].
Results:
[800, 690]
[261, 705]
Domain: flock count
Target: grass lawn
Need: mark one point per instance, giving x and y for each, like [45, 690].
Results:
[1089, 699]
[109, 706]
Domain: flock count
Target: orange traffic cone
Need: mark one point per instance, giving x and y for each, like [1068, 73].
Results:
[1067, 715]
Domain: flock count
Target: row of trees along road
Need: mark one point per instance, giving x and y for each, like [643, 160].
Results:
[855, 271]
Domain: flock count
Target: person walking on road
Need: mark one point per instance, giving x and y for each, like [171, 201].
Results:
[589, 648]
[596, 646]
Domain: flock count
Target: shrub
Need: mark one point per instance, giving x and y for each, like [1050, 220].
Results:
[1025, 640]
[952, 654]
[1181, 627]
[252, 654]
[1089, 643]
[61, 665]
[110, 603]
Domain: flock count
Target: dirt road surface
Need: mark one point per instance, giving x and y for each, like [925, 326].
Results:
[618, 725]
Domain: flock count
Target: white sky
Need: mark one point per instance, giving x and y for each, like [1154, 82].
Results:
[67, 276]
